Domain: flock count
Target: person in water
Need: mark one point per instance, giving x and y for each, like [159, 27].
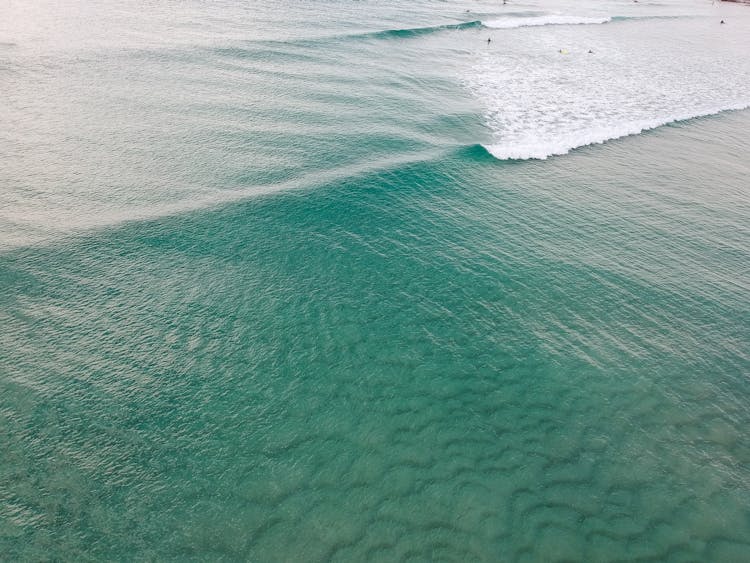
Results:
[489, 39]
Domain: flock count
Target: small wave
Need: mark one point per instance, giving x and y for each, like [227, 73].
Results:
[511, 23]
[415, 31]
[541, 149]
[520, 19]
[404, 33]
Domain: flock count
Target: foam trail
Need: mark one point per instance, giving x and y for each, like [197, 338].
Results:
[534, 21]
[28, 226]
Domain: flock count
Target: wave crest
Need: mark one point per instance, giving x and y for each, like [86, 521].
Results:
[541, 149]
[415, 31]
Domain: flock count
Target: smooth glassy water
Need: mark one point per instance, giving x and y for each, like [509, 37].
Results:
[344, 281]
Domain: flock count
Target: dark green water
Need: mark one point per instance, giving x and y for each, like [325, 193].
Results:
[420, 353]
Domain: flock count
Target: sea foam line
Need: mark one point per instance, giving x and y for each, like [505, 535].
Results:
[541, 150]
[533, 21]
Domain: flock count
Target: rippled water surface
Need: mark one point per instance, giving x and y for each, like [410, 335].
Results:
[306, 281]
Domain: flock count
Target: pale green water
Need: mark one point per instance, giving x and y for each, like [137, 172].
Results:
[411, 350]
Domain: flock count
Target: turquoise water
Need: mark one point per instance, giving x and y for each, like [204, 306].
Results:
[273, 291]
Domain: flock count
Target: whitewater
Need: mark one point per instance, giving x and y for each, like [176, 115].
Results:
[551, 83]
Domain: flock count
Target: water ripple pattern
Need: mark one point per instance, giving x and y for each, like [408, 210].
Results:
[265, 296]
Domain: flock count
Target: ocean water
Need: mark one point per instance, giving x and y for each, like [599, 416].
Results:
[344, 281]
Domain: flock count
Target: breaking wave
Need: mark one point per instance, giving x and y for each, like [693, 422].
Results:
[541, 148]
[546, 94]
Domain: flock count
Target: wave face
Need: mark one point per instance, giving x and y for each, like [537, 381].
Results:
[557, 88]
[534, 21]
[416, 31]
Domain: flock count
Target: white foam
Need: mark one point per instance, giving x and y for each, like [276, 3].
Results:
[545, 94]
[541, 149]
[533, 21]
